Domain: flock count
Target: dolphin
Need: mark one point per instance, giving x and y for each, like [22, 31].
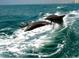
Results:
[55, 19]
[34, 25]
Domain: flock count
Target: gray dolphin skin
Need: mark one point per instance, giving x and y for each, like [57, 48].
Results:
[52, 18]
[55, 19]
[34, 25]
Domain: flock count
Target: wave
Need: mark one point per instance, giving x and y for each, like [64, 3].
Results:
[40, 42]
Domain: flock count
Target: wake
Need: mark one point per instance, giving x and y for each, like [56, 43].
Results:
[34, 42]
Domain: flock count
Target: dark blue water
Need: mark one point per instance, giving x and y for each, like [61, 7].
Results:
[11, 16]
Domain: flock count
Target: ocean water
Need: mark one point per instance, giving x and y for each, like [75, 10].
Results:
[42, 42]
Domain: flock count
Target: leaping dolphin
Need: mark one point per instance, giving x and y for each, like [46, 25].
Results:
[55, 19]
[34, 25]
[52, 18]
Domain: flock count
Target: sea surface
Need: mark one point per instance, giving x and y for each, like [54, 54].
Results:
[42, 42]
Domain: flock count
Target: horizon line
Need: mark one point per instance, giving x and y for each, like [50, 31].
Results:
[39, 4]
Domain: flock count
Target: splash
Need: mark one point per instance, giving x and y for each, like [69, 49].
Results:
[37, 42]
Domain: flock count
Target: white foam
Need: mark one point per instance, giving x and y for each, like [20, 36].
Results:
[5, 29]
[59, 13]
[60, 7]
[70, 18]
[34, 39]
[21, 39]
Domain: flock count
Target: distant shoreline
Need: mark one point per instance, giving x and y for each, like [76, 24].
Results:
[44, 4]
